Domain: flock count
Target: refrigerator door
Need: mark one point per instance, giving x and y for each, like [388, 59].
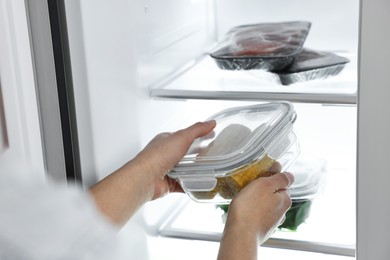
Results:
[21, 149]
[373, 207]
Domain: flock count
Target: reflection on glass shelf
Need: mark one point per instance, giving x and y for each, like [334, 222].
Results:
[327, 132]
[204, 80]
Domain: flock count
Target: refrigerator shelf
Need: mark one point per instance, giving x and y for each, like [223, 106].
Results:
[320, 233]
[202, 79]
[173, 229]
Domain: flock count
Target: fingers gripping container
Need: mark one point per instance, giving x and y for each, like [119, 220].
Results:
[309, 172]
[268, 46]
[247, 143]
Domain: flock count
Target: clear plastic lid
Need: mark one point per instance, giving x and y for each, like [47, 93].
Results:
[246, 142]
[308, 172]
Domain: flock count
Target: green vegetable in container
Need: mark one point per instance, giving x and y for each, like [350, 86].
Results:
[295, 216]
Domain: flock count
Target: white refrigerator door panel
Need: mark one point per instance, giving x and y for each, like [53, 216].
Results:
[20, 136]
[373, 207]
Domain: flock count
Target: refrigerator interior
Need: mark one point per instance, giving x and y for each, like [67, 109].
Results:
[142, 67]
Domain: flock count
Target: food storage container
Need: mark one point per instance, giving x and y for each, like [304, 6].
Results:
[311, 65]
[248, 142]
[309, 172]
[269, 46]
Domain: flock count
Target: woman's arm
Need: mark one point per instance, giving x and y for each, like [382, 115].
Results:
[121, 194]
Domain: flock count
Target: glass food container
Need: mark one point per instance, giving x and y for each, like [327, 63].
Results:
[248, 142]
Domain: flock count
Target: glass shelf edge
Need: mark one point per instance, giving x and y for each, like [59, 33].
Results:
[299, 245]
[329, 98]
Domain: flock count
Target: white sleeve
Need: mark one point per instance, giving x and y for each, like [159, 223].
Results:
[50, 221]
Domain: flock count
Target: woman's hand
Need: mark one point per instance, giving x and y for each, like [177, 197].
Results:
[165, 151]
[263, 203]
[254, 214]
[144, 178]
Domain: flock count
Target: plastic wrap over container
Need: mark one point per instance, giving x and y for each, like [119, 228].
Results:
[311, 65]
[248, 142]
[269, 46]
[309, 174]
